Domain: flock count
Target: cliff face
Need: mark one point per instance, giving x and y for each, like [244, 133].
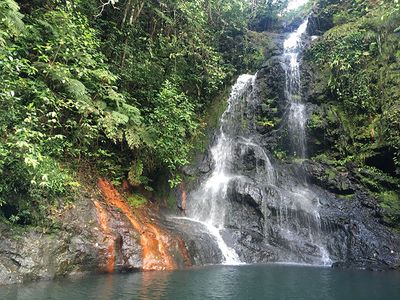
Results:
[102, 233]
[351, 223]
[80, 245]
[351, 77]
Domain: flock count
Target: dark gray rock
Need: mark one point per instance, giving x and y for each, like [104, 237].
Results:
[329, 178]
[273, 220]
[79, 246]
[202, 247]
[356, 236]
[321, 19]
[83, 246]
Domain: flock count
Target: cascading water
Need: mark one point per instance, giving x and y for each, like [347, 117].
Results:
[243, 183]
[296, 122]
[209, 207]
[297, 110]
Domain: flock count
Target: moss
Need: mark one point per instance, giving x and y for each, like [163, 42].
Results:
[136, 200]
[315, 121]
[330, 174]
[356, 87]
[390, 203]
[376, 179]
[266, 123]
[346, 197]
[171, 201]
[325, 158]
[135, 173]
[280, 154]
[258, 47]
[209, 122]
[214, 112]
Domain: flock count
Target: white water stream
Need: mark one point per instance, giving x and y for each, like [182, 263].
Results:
[297, 110]
[210, 208]
[290, 210]
[297, 119]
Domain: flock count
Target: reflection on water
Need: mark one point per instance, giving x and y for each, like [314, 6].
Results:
[218, 282]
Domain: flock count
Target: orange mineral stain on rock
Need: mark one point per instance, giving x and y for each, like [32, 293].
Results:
[103, 221]
[154, 241]
[159, 251]
[185, 253]
[183, 196]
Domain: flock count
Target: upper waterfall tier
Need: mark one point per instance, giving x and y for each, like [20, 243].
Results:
[296, 115]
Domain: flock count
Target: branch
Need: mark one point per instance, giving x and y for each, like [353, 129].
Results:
[104, 4]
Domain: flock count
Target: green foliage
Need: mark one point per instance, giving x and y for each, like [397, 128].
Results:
[136, 200]
[10, 21]
[357, 63]
[175, 181]
[356, 127]
[119, 88]
[135, 175]
[297, 15]
[172, 123]
[390, 202]
[56, 100]
[257, 46]
[188, 39]
[266, 15]
[280, 154]
[315, 121]
[266, 123]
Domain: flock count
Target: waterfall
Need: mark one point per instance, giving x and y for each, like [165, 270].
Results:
[214, 189]
[297, 110]
[243, 169]
[210, 203]
[296, 122]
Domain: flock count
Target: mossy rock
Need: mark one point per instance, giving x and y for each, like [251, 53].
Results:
[136, 200]
[390, 203]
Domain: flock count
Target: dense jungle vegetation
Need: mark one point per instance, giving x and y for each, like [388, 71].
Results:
[120, 88]
[356, 65]
[112, 88]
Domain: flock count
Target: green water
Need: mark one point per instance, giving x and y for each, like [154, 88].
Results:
[219, 282]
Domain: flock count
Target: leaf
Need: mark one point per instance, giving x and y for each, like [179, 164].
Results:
[119, 118]
[132, 137]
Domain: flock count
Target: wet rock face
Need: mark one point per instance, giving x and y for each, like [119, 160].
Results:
[79, 247]
[260, 215]
[340, 183]
[201, 246]
[271, 82]
[355, 235]
[96, 236]
[33, 256]
[321, 19]
[352, 229]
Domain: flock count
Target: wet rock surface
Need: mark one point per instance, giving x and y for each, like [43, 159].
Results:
[351, 227]
[29, 255]
[202, 247]
[96, 236]
[79, 246]
[350, 220]
[356, 236]
[265, 221]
